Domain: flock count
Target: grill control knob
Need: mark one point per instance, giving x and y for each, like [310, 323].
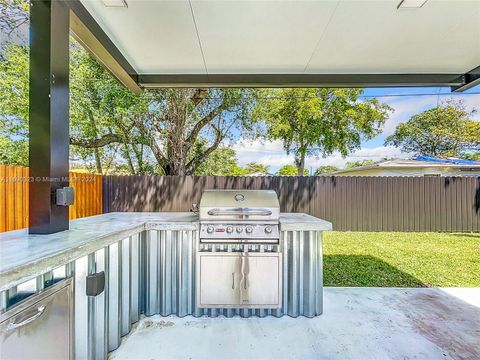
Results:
[229, 229]
[210, 229]
[239, 229]
[249, 229]
[268, 229]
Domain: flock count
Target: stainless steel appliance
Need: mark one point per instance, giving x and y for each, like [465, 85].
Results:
[243, 275]
[39, 327]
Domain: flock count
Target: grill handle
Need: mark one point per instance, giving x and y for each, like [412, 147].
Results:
[239, 211]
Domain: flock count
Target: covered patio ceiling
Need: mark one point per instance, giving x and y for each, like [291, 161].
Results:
[294, 43]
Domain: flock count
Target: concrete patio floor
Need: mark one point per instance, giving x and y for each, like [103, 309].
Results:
[358, 323]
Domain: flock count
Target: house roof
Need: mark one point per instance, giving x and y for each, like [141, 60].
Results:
[413, 163]
[447, 160]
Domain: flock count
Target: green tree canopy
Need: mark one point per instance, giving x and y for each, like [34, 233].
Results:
[473, 156]
[13, 152]
[13, 14]
[154, 132]
[254, 167]
[359, 163]
[445, 130]
[14, 104]
[221, 162]
[159, 130]
[326, 169]
[290, 170]
[319, 121]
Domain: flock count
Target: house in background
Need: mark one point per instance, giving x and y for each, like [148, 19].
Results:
[419, 166]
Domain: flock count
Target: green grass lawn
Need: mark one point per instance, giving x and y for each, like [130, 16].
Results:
[390, 259]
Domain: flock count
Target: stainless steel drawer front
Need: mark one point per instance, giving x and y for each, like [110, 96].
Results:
[39, 327]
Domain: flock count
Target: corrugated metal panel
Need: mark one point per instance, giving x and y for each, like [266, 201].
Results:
[113, 290]
[170, 273]
[154, 273]
[98, 313]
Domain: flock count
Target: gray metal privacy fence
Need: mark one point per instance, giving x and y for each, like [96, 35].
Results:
[449, 204]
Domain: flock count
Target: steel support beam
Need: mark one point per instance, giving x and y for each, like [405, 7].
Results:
[298, 80]
[470, 79]
[49, 114]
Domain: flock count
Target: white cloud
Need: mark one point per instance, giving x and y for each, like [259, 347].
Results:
[404, 109]
[376, 153]
[271, 153]
[264, 152]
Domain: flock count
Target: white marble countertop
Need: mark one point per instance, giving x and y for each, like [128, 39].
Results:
[24, 256]
[301, 221]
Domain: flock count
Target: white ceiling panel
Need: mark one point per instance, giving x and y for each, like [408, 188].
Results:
[260, 36]
[154, 36]
[376, 37]
[296, 36]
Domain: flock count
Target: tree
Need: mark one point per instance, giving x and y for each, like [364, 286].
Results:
[238, 171]
[290, 170]
[326, 169]
[13, 152]
[184, 116]
[13, 14]
[254, 167]
[221, 162]
[359, 163]
[14, 105]
[167, 122]
[445, 130]
[153, 132]
[472, 156]
[319, 121]
[99, 105]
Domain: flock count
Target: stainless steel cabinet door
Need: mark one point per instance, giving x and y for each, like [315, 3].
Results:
[38, 329]
[218, 280]
[261, 282]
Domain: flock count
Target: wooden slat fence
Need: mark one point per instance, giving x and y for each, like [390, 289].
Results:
[88, 195]
[450, 204]
[14, 196]
[351, 203]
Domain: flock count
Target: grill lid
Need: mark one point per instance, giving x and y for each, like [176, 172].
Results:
[239, 205]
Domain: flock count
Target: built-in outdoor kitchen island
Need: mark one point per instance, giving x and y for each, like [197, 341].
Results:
[162, 263]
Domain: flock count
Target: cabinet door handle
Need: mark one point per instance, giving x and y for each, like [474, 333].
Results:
[36, 315]
[244, 275]
[233, 280]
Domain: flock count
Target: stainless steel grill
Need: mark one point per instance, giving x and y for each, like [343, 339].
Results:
[239, 216]
[243, 278]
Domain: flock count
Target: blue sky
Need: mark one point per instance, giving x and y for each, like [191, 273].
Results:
[408, 102]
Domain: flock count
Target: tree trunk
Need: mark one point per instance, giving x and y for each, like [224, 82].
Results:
[300, 162]
[98, 160]
[96, 151]
[126, 154]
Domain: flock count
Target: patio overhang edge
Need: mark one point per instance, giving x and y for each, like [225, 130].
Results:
[90, 35]
[298, 80]
[469, 80]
